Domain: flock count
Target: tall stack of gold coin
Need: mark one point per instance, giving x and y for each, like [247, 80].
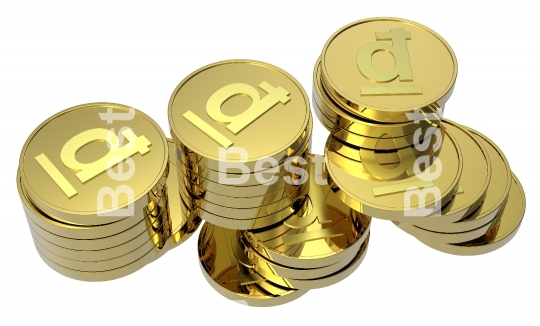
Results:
[380, 87]
[242, 131]
[93, 183]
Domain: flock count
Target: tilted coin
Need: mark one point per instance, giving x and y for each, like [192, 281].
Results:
[500, 234]
[409, 199]
[474, 181]
[496, 194]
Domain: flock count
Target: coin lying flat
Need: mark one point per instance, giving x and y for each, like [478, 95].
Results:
[69, 171]
[227, 270]
[239, 103]
[390, 135]
[384, 68]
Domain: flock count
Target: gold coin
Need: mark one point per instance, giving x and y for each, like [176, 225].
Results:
[406, 200]
[384, 68]
[319, 282]
[63, 235]
[117, 242]
[227, 270]
[272, 213]
[475, 178]
[133, 248]
[63, 163]
[332, 115]
[234, 185]
[238, 224]
[96, 266]
[199, 164]
[499, 235]
[430, 236]
[275, 197]
[323, 234]
[275, 200]
[103, 275]
[239, 103]
[182, 226]
[342, 146]
[383, 140]
[496, 194]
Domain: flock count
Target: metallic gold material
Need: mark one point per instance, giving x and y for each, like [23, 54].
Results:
[79, 152]
[496, 194]
[315, 283]
[269, 97]
[474, 181]
[389, 135]
[227, 270]
[323, 234]
[359, 73]
[182, 226]
[394, 200]
[496, 237]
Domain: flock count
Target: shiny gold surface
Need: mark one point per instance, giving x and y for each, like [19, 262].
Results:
[182, 226]
[474, 181]
[386, 199]
[243, 101]
[325, 233]
[497, 236]
[334, 115]
[383, 68]
[496, 194]
[330, 279]
[80, 154]
[228, 271]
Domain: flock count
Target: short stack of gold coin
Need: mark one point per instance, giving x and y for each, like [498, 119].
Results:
[93, 183]
[264, 243]
[380, 86]
[320, 245]
[238, 144]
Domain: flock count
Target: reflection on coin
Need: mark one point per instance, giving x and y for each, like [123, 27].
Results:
[227, 270]
[383, 68]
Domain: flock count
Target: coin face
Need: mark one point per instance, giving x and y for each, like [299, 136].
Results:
[388, 65]
[402, 200]
[85, 163]
[244, 104]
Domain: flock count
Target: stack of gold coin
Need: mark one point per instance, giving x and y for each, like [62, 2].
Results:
[93, 181]
[321, 244]
[487, 210]
[242, 131]
[381, 93]
[380, 86]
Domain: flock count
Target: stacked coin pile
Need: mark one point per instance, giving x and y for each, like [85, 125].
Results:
[487, 210]
[320, 245]
[380, 86]
[93, 183]
[242, 130]
[274, 232]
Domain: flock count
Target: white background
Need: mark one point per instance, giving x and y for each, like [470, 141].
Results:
[57, 54]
